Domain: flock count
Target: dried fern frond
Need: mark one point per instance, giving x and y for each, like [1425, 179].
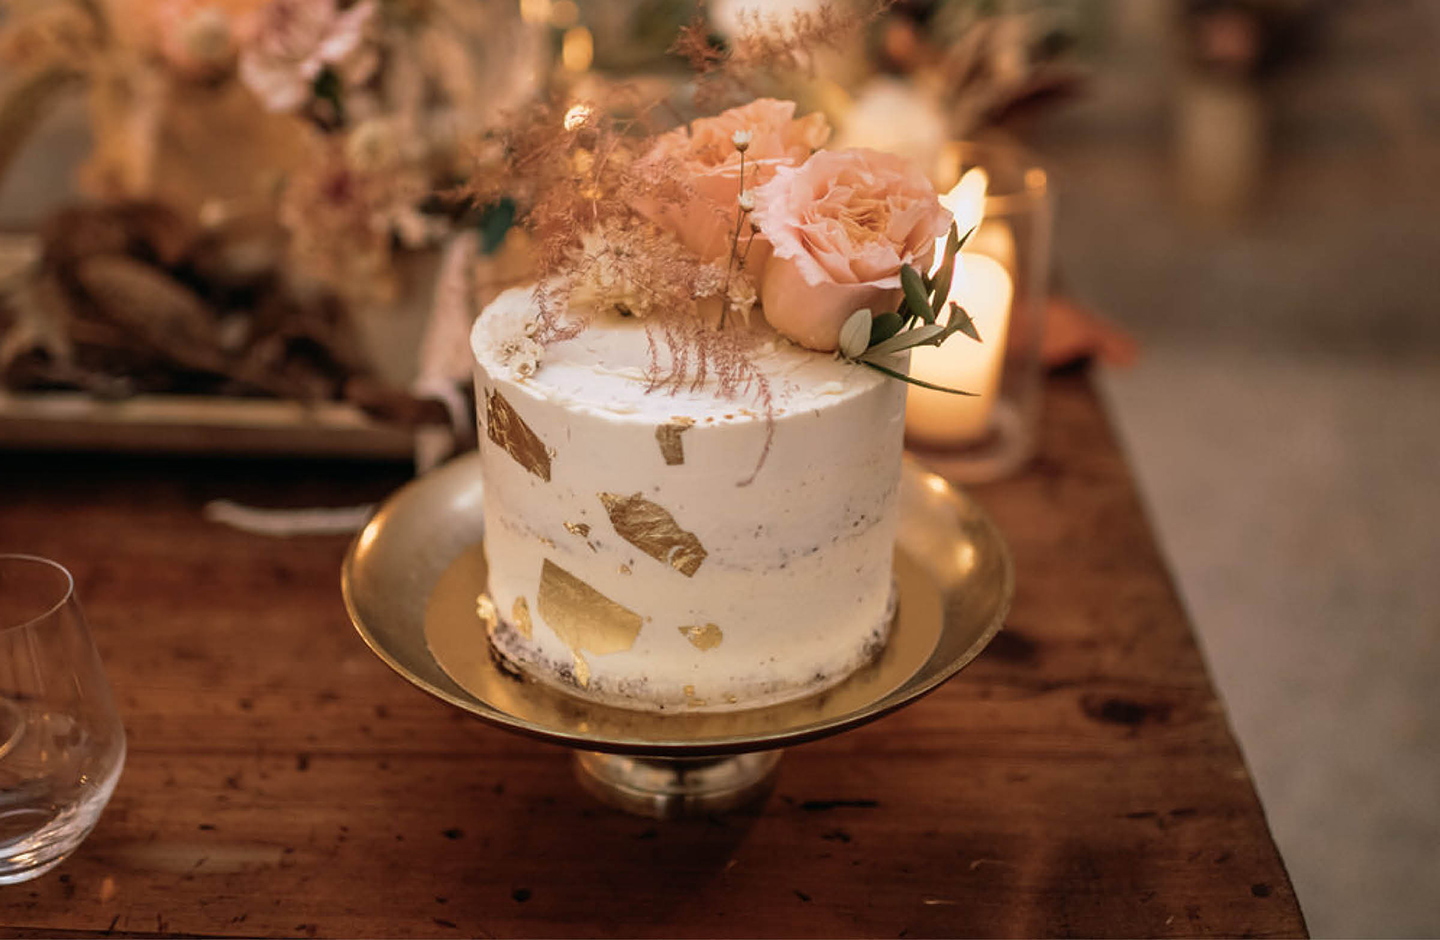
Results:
[767, 45]
[688, 352]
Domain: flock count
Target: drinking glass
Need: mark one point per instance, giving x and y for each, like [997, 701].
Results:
[61, 743]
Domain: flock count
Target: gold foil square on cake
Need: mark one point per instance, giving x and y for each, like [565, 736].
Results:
[485, 610]
[668, 436]
[582, 617]
[705, 637]
[520, 614]
[508, 430]
[650, 527]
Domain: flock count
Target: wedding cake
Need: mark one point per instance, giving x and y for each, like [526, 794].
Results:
[635, 551]
[686, 511]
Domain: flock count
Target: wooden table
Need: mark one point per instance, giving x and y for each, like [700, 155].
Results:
[1078, 779]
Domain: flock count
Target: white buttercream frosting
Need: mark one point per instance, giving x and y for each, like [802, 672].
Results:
[792, 589]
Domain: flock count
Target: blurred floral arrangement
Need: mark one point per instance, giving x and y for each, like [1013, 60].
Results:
[917, 74]
[258, 168]
[262, 170]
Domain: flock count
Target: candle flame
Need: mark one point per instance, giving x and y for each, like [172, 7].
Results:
[967, 199]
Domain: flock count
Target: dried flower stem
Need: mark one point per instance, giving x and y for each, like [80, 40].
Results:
[735, 242]
[745, 255]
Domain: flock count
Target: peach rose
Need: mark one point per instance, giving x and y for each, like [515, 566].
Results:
[709, 160]
[842, 225]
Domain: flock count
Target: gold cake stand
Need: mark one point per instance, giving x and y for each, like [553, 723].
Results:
[411, 578]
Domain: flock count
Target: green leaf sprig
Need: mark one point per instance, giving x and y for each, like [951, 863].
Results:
[868, 338]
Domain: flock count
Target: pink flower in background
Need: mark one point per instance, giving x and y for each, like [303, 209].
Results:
[709, 161]
[292, 41]
[197, 38]
[842, 225]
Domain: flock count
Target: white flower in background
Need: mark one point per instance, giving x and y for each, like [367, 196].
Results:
[373, 144]
[897, 117]
[201, 41]
[294, 40]
[730, 17]
[197, 38]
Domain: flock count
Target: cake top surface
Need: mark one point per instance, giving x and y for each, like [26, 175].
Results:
[604, 369]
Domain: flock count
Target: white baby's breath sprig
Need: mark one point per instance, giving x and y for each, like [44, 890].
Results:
[741, 139]
[747, 201]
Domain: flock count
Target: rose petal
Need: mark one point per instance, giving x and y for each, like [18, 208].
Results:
[704, 154]
[812, 313]
[841, 226]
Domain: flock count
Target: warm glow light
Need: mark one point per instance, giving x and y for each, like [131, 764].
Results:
[967, 199]
[564, 14]
[367, 537]
[965, 558]
[984, 288]
[577, 49]
[535, 11]
[577, 115]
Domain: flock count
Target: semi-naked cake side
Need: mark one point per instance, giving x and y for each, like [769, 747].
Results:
[682, 548]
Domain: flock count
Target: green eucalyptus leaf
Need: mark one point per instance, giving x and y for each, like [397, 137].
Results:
[917, 337]
[914, 381]
[943, 279]
[885, 326]
[855, 334]
[495, 221]
[961, 322]
[916, 297]
[963, 239]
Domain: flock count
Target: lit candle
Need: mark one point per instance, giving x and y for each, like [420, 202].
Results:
[983, 287]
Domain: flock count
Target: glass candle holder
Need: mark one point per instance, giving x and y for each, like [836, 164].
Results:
[1002, 281]
[61, 743]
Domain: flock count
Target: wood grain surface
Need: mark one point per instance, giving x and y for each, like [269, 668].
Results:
[1078, 780]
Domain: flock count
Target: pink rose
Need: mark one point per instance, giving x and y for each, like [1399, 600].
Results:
[842, 225]
[709, 161]
[291, 41]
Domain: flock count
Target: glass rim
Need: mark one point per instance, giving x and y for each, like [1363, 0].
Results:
[65, 596]
[1035, 179]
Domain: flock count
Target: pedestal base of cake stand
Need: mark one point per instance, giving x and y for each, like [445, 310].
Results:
[412, 576]
[671, 787]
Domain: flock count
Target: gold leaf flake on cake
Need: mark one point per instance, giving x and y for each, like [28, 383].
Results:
[507, 429]
[582, 617]
[703, 638]
[624, 569]
[582, 671]
[520, 613]
[650, 527]
[485, 610]
[690, 698]
[668, 436]
[577, 528]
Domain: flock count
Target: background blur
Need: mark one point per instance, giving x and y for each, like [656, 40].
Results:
[1272, 240]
